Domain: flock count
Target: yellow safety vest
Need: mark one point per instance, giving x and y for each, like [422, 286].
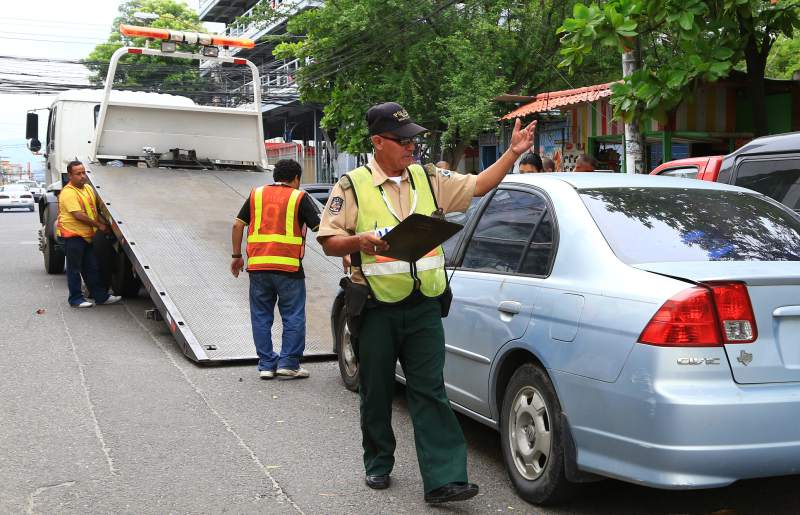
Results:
[389, 279]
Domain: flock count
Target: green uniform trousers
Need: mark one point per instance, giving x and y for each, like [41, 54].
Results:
[415, 335]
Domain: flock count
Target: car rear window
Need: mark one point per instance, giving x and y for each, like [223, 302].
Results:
[645, 225]
[776, 178]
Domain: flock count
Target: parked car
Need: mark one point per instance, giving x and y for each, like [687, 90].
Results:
[36, 190]
[632, 327]
[769, 165]
[15, 196]
[318, 190]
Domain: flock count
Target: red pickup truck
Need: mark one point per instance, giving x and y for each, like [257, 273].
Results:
[769, 165]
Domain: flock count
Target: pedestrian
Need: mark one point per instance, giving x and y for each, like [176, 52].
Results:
[530, 163]
[277, 216]
[585, 163]
[78, 220]
[548, 165]
[402, 319]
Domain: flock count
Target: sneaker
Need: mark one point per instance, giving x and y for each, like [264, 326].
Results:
[300, 373]
[112, 299]
[266, 374]
[84, 304]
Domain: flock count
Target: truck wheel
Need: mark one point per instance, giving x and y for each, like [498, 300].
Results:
[123, 281]
[53, 257]
[348, 364]
[532, 439]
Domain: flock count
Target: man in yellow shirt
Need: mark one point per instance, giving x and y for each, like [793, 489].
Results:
[78, 220]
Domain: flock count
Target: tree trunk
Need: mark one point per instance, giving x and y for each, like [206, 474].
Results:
[634, 145]
[756, 60]
[454, 154]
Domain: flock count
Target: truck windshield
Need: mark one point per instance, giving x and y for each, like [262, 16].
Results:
[646, 225]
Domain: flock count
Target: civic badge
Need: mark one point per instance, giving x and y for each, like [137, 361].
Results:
[745, 358]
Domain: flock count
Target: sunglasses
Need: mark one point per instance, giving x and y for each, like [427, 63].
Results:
[404, 141]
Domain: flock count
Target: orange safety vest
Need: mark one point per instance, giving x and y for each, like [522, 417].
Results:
[275, 238]
[90, 210]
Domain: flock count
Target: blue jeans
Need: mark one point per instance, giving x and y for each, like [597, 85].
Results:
[81, 262]
[290, 293]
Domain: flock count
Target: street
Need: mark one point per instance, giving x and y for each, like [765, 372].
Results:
[101, 413]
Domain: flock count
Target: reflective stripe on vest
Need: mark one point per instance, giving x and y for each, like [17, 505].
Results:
[90, 211]
[275, 240]
[390, 279]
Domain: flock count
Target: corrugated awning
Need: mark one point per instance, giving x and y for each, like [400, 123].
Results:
[556, 99]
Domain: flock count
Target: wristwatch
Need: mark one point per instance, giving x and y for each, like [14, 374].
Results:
[235, 256]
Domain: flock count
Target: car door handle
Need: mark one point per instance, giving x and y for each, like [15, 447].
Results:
[509, 306]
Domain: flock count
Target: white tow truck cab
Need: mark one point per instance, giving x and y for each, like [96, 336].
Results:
[170, 176]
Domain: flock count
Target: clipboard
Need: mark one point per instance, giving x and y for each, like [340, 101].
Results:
[417, 235]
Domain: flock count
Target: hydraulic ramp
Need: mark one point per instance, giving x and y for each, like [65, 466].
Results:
[175, 226]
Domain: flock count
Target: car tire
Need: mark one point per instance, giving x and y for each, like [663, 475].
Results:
[532, 438]
[123, 281]
[348, 364]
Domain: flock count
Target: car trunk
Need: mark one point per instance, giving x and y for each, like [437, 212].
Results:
[774, 289]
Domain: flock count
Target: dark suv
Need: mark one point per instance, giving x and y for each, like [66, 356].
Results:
[769, 165]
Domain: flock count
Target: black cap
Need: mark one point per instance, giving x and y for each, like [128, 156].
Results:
[391, 117]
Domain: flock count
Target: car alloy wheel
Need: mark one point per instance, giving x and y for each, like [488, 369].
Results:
[348, 361]
[529, 433]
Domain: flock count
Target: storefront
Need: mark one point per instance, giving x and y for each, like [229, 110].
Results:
[717, 120]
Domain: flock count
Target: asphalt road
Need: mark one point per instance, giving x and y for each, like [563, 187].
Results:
[101, 413]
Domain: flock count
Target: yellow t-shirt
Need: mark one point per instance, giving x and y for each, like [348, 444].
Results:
[69, 200]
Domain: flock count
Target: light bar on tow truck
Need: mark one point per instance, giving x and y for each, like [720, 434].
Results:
[185, 37]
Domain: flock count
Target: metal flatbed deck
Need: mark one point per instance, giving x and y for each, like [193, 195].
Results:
[175, 226]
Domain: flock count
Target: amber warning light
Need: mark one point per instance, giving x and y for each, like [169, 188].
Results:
[184, 37]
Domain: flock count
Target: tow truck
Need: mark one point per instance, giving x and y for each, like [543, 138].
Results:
[170, 177]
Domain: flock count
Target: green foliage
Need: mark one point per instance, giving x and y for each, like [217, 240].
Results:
[682, 43]
[444, 61]
[147, 72]
[784, 59]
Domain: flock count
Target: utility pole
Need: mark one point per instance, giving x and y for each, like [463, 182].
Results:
[634, 147]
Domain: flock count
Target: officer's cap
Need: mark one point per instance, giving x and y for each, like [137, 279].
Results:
[391, 117]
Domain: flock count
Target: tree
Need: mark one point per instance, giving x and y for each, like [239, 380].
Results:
[444, 61]
[784, 59]
[685, 42]
[147, 72]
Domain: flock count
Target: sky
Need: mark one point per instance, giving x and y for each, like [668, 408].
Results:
[56, 29]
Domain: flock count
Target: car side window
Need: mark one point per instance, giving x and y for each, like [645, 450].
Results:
[775, 178]
[687, 172]
[451, 245]
[514, 234]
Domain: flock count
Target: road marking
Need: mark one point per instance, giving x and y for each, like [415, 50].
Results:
[280, 495]
[81, 370]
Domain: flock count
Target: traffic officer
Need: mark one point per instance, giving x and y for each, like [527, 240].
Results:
[403, 317]
[277, 216]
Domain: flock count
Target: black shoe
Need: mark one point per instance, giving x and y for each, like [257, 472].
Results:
[378, 482]
[452, 492]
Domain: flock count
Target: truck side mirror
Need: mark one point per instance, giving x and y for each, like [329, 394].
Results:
[34, 145]
[32, 127]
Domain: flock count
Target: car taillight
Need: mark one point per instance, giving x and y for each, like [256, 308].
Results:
[738, 323]
[703, 316]
[687, 319]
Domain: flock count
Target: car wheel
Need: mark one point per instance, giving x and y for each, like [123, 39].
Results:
[532, 439]
[123, 282]
[348, 363]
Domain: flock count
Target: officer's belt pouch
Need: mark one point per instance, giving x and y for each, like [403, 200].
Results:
[445, 299]
[355, 300]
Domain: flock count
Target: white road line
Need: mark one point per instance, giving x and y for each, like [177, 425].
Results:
[90, 405]
[280, 495]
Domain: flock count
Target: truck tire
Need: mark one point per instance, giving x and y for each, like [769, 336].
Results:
[123, 281]
[348, 363]
[53, 258]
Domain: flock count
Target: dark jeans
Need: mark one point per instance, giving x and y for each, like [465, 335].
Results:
[81, 262]
[290, 293]
[414, 335]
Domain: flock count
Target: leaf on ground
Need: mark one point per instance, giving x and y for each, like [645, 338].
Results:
[41, 311]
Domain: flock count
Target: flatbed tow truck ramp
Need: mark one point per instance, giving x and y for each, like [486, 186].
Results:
[176, 230]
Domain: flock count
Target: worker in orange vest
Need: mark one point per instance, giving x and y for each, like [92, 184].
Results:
[78, 220]
[277, 216]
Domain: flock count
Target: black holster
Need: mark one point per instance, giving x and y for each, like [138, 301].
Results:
[355, 301]
[445, 299]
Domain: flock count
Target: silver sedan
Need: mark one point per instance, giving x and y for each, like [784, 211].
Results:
[634, 327]
[15, 196]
